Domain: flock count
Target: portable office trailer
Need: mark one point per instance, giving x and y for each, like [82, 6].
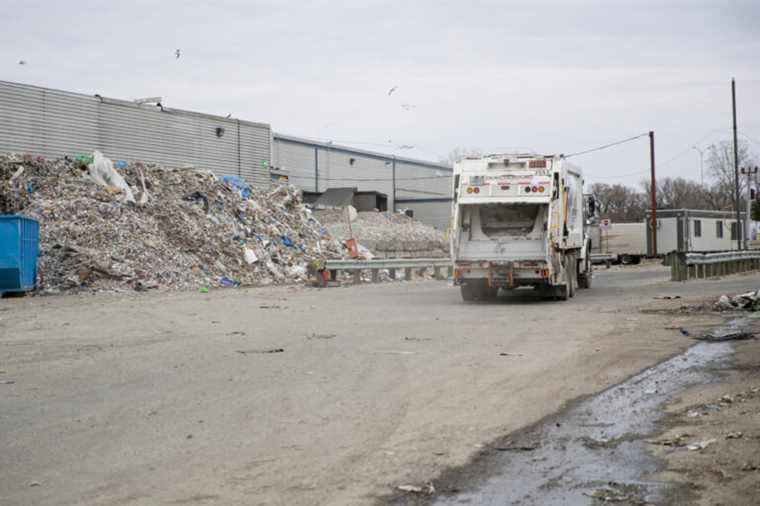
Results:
[677, 230]
[692, 230]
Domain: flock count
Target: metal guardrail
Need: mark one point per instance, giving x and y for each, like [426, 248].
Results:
[685, 266]
[725, 256]
[391, 264]
[387, 263]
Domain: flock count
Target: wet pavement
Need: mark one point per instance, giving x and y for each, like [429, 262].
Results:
[595, 451]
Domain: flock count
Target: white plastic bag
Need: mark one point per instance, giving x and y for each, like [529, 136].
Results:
[102, 172]
[364, 252]
[250, 256]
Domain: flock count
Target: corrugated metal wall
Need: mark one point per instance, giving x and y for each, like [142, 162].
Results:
[434, 213]
[422, 186]
[55, 123]
[420, 182]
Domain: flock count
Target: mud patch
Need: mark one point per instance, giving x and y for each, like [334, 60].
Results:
[596, 451]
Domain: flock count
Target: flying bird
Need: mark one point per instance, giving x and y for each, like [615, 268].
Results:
[229, 115]
[22, 62]
[390, 92]
[177, 54]
[408, 107]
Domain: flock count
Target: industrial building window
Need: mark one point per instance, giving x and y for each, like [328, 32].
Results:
[719, 229]
[697, 228]
[734, 231]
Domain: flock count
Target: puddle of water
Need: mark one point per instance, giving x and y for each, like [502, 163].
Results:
[599, 441]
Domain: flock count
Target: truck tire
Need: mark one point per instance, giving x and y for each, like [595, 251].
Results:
[571, 272]
[560, 292]
[468, 292]
[584, 275]
[477, 289]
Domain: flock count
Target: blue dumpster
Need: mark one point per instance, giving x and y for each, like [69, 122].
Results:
[19, 248]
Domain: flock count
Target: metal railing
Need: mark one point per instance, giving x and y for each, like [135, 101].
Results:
[391, 265]
[686, 266]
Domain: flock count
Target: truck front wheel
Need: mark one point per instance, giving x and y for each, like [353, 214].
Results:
[584, 276]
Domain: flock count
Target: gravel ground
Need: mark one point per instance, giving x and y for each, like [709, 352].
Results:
[185, 398]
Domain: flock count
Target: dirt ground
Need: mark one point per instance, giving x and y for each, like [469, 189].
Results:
[727, 415]
[290, 396]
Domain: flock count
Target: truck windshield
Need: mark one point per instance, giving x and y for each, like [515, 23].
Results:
[498, 220]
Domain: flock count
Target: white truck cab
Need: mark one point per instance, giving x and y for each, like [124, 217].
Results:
[519, 220]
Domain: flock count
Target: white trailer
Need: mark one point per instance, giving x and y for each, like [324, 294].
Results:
[618, 243]
[519, 220]
[684, 230]
[692, 230]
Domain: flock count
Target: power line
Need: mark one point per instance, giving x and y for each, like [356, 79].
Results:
[666, 162]
[749, 138]
[619, 175]
[611, 144]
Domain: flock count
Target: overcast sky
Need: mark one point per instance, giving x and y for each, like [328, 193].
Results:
[550, 76]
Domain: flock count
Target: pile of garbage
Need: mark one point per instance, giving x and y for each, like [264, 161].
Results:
[749, 301]
[134, 226]
[385, 235]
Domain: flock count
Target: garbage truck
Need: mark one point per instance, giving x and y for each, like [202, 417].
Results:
[519, 221]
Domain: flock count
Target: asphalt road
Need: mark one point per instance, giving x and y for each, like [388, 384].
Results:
[176, 398]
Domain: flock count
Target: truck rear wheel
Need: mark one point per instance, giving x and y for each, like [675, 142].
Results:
[571, 272]
[477, 289]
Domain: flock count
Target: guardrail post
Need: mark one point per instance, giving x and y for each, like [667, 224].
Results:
[357, 276]
[392, 273]
[408, 274]
[334, 275]
[674, 274]
[437, 273]
[375, 275]
[450, 272]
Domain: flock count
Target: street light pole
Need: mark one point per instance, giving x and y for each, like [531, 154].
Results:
[653, 194]
[701, 165]
[749, 172]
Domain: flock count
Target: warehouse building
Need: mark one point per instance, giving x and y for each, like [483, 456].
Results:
[423, 188]
[54, 124]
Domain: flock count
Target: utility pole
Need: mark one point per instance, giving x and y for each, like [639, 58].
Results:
[701, 165]
[654, 195]
[736, 171]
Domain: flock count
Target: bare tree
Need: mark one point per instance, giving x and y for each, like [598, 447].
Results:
[618, 202]
[680, 193]
[720, 164]
[460, 152]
